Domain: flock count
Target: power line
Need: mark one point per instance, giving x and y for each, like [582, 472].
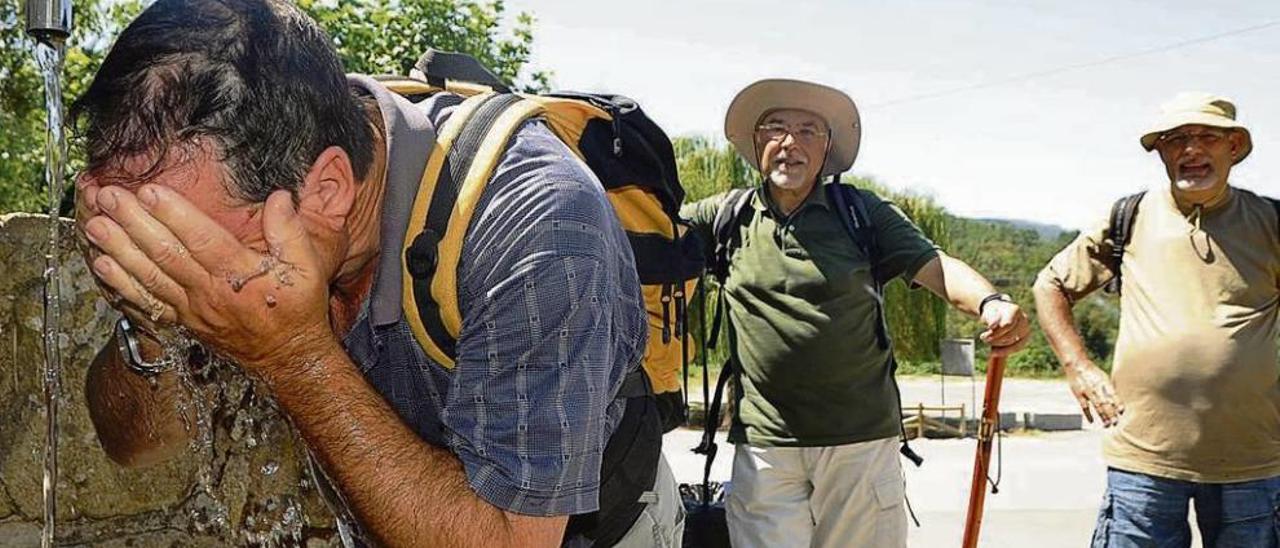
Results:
[1068, 68]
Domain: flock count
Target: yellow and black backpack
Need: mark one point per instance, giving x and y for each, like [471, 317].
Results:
[633, 159]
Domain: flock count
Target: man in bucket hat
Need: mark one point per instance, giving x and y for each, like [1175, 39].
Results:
[1194, 394]
[817, 415]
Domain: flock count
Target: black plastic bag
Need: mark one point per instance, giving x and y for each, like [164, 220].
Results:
[705, 523]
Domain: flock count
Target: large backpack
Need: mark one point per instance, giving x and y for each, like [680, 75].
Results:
[1120, 230]
[634, 161]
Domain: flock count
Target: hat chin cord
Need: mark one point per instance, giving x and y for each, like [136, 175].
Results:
[835, 177]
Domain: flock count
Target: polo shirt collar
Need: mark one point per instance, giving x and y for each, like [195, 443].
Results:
[409, 137]
[817, 197]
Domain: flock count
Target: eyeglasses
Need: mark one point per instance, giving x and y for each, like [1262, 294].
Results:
[778, 132]
[1180, 139]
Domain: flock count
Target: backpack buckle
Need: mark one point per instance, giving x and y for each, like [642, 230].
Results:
[423, 255]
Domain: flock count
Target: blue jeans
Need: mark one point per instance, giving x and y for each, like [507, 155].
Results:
[1142, 511]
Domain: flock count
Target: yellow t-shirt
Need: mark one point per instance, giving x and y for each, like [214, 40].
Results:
[1195, 361]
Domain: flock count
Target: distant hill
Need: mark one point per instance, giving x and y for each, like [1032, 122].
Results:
[1045, 230]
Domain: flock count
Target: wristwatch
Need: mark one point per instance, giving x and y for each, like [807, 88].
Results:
[1003, 297]
[130, 350]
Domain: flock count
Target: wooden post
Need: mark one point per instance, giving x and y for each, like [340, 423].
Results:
[920, 425]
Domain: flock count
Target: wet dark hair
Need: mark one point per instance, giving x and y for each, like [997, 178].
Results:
[258, 77]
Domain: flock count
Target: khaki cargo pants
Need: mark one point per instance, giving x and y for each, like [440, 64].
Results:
[845, 495]
[662, 523]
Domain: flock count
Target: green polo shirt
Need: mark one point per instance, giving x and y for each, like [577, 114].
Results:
[802, 311]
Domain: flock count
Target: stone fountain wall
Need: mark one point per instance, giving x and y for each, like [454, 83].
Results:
[256, 470]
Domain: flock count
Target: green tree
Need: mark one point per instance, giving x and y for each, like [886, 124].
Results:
[387, 36]
[917, 318]
[708, 167]
[22, 111]
[1011, 257]
[372, 36]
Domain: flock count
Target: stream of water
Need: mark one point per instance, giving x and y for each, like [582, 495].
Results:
[50, 57]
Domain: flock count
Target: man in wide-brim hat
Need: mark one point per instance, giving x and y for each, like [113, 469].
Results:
[1193, 397]
[817, 423]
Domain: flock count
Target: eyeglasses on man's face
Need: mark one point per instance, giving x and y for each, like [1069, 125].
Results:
[807, 134]
[1174, 140]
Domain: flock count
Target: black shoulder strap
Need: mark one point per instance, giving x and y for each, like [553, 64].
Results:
[711, 415]
[851, 208]
[1120, 231]
[726, 238]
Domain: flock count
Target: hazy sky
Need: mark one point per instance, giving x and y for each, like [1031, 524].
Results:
[1057, 148]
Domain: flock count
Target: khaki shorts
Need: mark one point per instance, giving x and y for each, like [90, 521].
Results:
[845, 495]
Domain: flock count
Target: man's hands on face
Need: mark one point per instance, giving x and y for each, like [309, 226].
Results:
[169, 261]
[87, 208]
[1093, 389]
[1008, 328]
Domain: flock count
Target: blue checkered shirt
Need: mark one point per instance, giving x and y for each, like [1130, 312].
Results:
[552, 319]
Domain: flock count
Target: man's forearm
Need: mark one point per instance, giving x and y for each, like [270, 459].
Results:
[956, 282]
[405, 491]
[138, 422]
[1054, 311]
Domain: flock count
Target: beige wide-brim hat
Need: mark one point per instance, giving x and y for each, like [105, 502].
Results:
[832, 105]
[1195, 108]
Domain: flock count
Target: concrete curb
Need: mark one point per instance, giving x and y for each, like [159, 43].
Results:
[1053, 422]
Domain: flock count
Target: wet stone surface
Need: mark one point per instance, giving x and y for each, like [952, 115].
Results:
[246, 483]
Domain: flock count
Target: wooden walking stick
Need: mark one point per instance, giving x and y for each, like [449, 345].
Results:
[987, 428]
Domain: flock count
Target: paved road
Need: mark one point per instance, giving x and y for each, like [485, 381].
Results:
[1048, 498]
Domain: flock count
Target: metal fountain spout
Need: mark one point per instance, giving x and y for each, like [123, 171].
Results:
[49, 21]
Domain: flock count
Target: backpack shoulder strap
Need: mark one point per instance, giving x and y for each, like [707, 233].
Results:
[468, 148]
[1120, 231]
[851, 207]
[726, 238]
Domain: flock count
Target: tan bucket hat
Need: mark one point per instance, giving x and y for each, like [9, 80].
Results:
[831, 104]
[1196, 108]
